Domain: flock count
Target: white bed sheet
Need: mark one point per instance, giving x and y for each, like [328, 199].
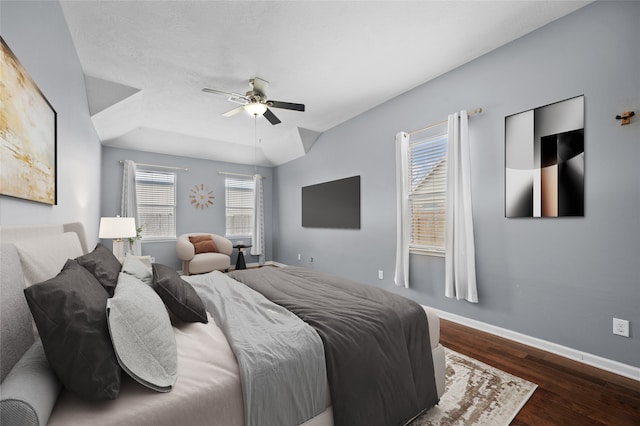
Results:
[207, 390]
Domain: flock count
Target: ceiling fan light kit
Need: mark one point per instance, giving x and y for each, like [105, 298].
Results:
[255, 102]
[255, 108]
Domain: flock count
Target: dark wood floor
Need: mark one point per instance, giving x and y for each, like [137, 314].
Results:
[568, 393]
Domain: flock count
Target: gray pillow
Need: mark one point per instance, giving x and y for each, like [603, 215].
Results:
[70, 313]
[142, 334]
[103, 265]
[137, 268]
[178, 295]
[30, 390]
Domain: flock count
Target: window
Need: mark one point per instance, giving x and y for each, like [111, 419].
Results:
[427, 191]
[239, 196]
[156, 199]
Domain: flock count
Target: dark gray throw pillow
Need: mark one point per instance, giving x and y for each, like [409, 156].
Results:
[178, 295]
[103, 265]
[70, 311]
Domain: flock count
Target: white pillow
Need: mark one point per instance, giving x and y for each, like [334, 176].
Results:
[142, 334]
[137, 267]
[42, 258]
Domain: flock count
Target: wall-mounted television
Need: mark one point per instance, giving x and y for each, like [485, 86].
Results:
[334, 204]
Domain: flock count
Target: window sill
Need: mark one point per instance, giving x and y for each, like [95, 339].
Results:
[158, 240]
[427, 252]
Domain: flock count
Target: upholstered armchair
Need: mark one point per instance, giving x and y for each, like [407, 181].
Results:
[210, 257]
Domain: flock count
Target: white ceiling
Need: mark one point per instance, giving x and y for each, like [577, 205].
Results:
[147, 61]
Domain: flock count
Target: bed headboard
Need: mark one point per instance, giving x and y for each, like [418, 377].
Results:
[15, 233]
[16, 329]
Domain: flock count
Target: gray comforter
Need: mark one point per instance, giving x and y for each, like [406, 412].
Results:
[281, 358]
[379, 360]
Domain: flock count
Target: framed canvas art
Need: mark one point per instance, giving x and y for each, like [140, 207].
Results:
[544, 161]
[27, 135]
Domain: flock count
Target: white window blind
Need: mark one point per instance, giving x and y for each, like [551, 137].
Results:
[427, 191]
[156, 198]
[239, 198]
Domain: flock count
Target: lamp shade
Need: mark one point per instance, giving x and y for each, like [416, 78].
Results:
[117, 227]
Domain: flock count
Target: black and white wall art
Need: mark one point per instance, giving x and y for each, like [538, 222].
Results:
[544, 161]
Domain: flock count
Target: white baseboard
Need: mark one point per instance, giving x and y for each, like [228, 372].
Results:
[255, 265]
[574, 354]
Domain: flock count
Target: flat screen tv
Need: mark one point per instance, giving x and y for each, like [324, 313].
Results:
[334, 204]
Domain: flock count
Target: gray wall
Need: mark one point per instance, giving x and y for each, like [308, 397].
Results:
[561, 280]
[189, 219]
[37, 34]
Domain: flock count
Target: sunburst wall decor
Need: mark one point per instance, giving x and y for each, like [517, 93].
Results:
[201, 196]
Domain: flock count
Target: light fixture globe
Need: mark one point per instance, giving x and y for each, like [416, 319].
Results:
[255, 108]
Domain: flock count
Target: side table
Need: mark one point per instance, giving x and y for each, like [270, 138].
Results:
[240, 264]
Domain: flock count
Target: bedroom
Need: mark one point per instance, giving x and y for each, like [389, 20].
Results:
[560, 281]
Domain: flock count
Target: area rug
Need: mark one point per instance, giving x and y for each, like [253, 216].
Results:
[477, 394]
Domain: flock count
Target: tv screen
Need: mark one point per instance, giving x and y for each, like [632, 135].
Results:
[334, 204]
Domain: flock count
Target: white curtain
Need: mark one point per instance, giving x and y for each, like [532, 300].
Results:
[403, 228]
[257, 248]
[460, 264]
[129, 203]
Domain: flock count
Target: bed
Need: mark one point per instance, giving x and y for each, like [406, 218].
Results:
[208, 389]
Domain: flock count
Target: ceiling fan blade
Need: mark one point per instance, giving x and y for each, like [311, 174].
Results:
[230, 95]
[271, 117]
[286, 105]
[233, 112]
[259, 86]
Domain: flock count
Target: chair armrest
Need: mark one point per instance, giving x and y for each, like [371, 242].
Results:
[184, 248]
[223, 245]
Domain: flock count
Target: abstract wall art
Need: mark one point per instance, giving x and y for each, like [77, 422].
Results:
[544, 161]
[27, 135]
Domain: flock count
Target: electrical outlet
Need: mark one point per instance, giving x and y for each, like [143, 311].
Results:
[621, 327]
[299, 257]
[380, 275]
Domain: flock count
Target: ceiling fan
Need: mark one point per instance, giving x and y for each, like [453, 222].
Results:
[255, 101]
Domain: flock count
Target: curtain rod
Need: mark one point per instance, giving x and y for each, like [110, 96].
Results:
[182, 169]
[239, 174]
[431, 126]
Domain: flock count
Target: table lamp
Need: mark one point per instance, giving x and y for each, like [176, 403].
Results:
[117, 228]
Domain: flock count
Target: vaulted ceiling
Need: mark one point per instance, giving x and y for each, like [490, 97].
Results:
[146, 62]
